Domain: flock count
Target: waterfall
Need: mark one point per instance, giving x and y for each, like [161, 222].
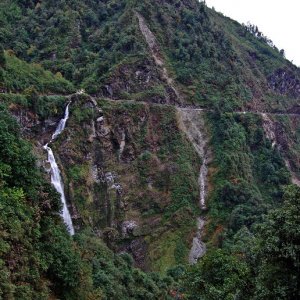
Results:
[56, 179]
[62, 124]
[192, 123]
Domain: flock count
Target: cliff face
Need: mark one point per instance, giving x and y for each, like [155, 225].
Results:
[186, 132]
[131, 174]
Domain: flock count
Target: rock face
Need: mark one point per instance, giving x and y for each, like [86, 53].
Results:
[281, 138]
[285, 82]
[122, 173]
[141, 79]
[198, 248]
[128, 227]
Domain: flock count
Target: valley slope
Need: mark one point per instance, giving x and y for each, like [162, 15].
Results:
[184, 133]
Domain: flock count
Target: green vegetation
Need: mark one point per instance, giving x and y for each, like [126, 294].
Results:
[29, 79]
[158, 172]
[129, 162]
[216, 61]
[260, 266]
[100, 35]
[38, 258]
[251, 174]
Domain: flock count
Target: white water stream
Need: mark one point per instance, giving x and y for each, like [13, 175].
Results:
[192, 123]
[56, 179]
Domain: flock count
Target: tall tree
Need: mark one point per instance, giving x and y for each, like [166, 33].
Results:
[2, 57]
[279, 254]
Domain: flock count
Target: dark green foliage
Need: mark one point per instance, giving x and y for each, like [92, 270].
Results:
[251, 173]
[16, 158]
[115, 276]
[2, 57]
[279, 250]
[81, 39]
[27, 201]
[183, 185]
[216, 63]
[219, 275]
[260, 266]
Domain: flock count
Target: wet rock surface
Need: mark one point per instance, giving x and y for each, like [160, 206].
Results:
[198, 248]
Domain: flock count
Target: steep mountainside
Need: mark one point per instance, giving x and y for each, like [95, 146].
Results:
[215, 61]
[175, 132]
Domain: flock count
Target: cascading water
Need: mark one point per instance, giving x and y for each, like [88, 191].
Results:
[56, 179]
[62, 124]
[192, 124]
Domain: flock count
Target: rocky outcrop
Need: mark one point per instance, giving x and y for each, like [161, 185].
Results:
[118, 168]
[276, 134]
[139, 80]
[285, 82]
[198, 247]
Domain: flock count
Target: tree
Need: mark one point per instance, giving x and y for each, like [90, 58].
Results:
[282, 52]
[219, 275]
[279, 250]
[2, 57]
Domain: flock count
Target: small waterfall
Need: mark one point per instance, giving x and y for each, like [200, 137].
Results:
[192, 124]
[62, 124]
[202, 182]
[56, 179]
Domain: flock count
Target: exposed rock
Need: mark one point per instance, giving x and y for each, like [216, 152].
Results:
[122, 144]
[276, 135]
[138, 248]
[100, 119]
[128, 227]
[137, 79]
[192, 123]
[198, 248]
[95, 174]
[269, 128]
[110, 178]
[93, 134]
[285, 82]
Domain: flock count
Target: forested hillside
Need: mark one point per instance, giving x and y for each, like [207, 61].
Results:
[175, 140]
